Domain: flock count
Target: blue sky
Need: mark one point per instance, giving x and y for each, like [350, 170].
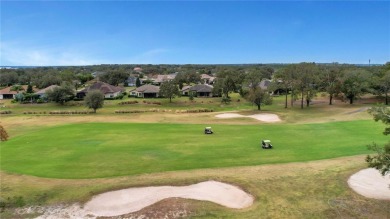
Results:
[193, 32]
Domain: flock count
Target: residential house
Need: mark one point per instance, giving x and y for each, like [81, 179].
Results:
[185, 90]
[146, 91]
[202, 90]
[207, 79]
[163, 78]
[8, 93]
[108, 90]
[41, 93]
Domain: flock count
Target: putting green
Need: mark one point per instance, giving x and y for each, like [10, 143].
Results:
[95, 150]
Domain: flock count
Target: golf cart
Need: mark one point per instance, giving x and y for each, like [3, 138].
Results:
[208, 130]
[266, 144]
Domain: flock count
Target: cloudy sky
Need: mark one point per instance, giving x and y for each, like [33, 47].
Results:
[41, 33]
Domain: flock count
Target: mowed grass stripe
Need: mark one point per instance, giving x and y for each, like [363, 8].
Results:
[96, 150]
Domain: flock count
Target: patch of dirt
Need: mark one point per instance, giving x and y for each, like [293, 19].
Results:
[168, 208]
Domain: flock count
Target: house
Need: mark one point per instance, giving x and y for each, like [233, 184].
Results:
[265, 84]
[163, 78]
[42, 93]
[202, 90]
[185, 90]
[131, 81]
[108, 90]
[138, 69]
[8, 93]
[146, 91]
[207, 79]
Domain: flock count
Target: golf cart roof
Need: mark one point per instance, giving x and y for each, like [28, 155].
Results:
[267, 141]
[208, 127]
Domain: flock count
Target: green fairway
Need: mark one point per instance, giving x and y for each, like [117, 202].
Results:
[94, 150]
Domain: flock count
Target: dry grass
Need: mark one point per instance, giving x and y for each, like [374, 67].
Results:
[296, 190]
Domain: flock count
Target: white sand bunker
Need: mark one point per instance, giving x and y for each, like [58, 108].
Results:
[370, 183]
[265, 117]
[134, 199]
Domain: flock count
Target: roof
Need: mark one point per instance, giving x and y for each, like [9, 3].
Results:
[162, 78]
[148, 88]
[266, 141]
[103, 87]
[185, 88]
[43, 91]
[7, 90]
[264, 84]
[202, 88]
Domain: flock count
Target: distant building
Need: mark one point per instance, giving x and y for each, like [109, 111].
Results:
[163, 78]
[41, 93]
[199, 90]
[108, 90]
[207, 79]
[137, 69]
[146, 91]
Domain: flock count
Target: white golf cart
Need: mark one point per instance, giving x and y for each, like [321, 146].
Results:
[266, 144]
[208, 130]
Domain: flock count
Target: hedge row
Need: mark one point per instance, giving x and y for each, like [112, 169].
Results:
[137, 111]
[195, 111]
[5, 112]
[149, 102]
[70, 112]
[128, 102]
[162, 110]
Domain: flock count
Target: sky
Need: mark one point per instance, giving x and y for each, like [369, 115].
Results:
[53, 33]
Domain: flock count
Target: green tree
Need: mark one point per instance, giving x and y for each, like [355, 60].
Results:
[169, 90]
[331, 80]
[61, 94]
[114, 77]
[307, 81]
[381, 84]
[380, 161]
[354, 84]
[138, 82]
[29, 89]
[259, 97]
[94, 100]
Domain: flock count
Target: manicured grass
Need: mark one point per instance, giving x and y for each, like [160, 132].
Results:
[94, 150]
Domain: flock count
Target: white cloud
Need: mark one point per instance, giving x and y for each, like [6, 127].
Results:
[13, 54]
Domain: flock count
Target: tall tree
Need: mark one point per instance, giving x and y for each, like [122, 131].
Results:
[169, 90]
[29, 89]
[259, 97]
[380, 161]
[253, 78]
[355, 82]
[286, 78]
[94, 100]
[61, 94]
[307, 81]
[331, 80]
[138, 82]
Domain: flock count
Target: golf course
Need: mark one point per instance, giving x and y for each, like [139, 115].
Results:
[56, 161]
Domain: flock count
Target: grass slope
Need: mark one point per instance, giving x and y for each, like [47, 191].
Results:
[95, 150]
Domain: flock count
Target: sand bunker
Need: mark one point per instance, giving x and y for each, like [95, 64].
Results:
[134, 199]
[265, 117]
[370, 183]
